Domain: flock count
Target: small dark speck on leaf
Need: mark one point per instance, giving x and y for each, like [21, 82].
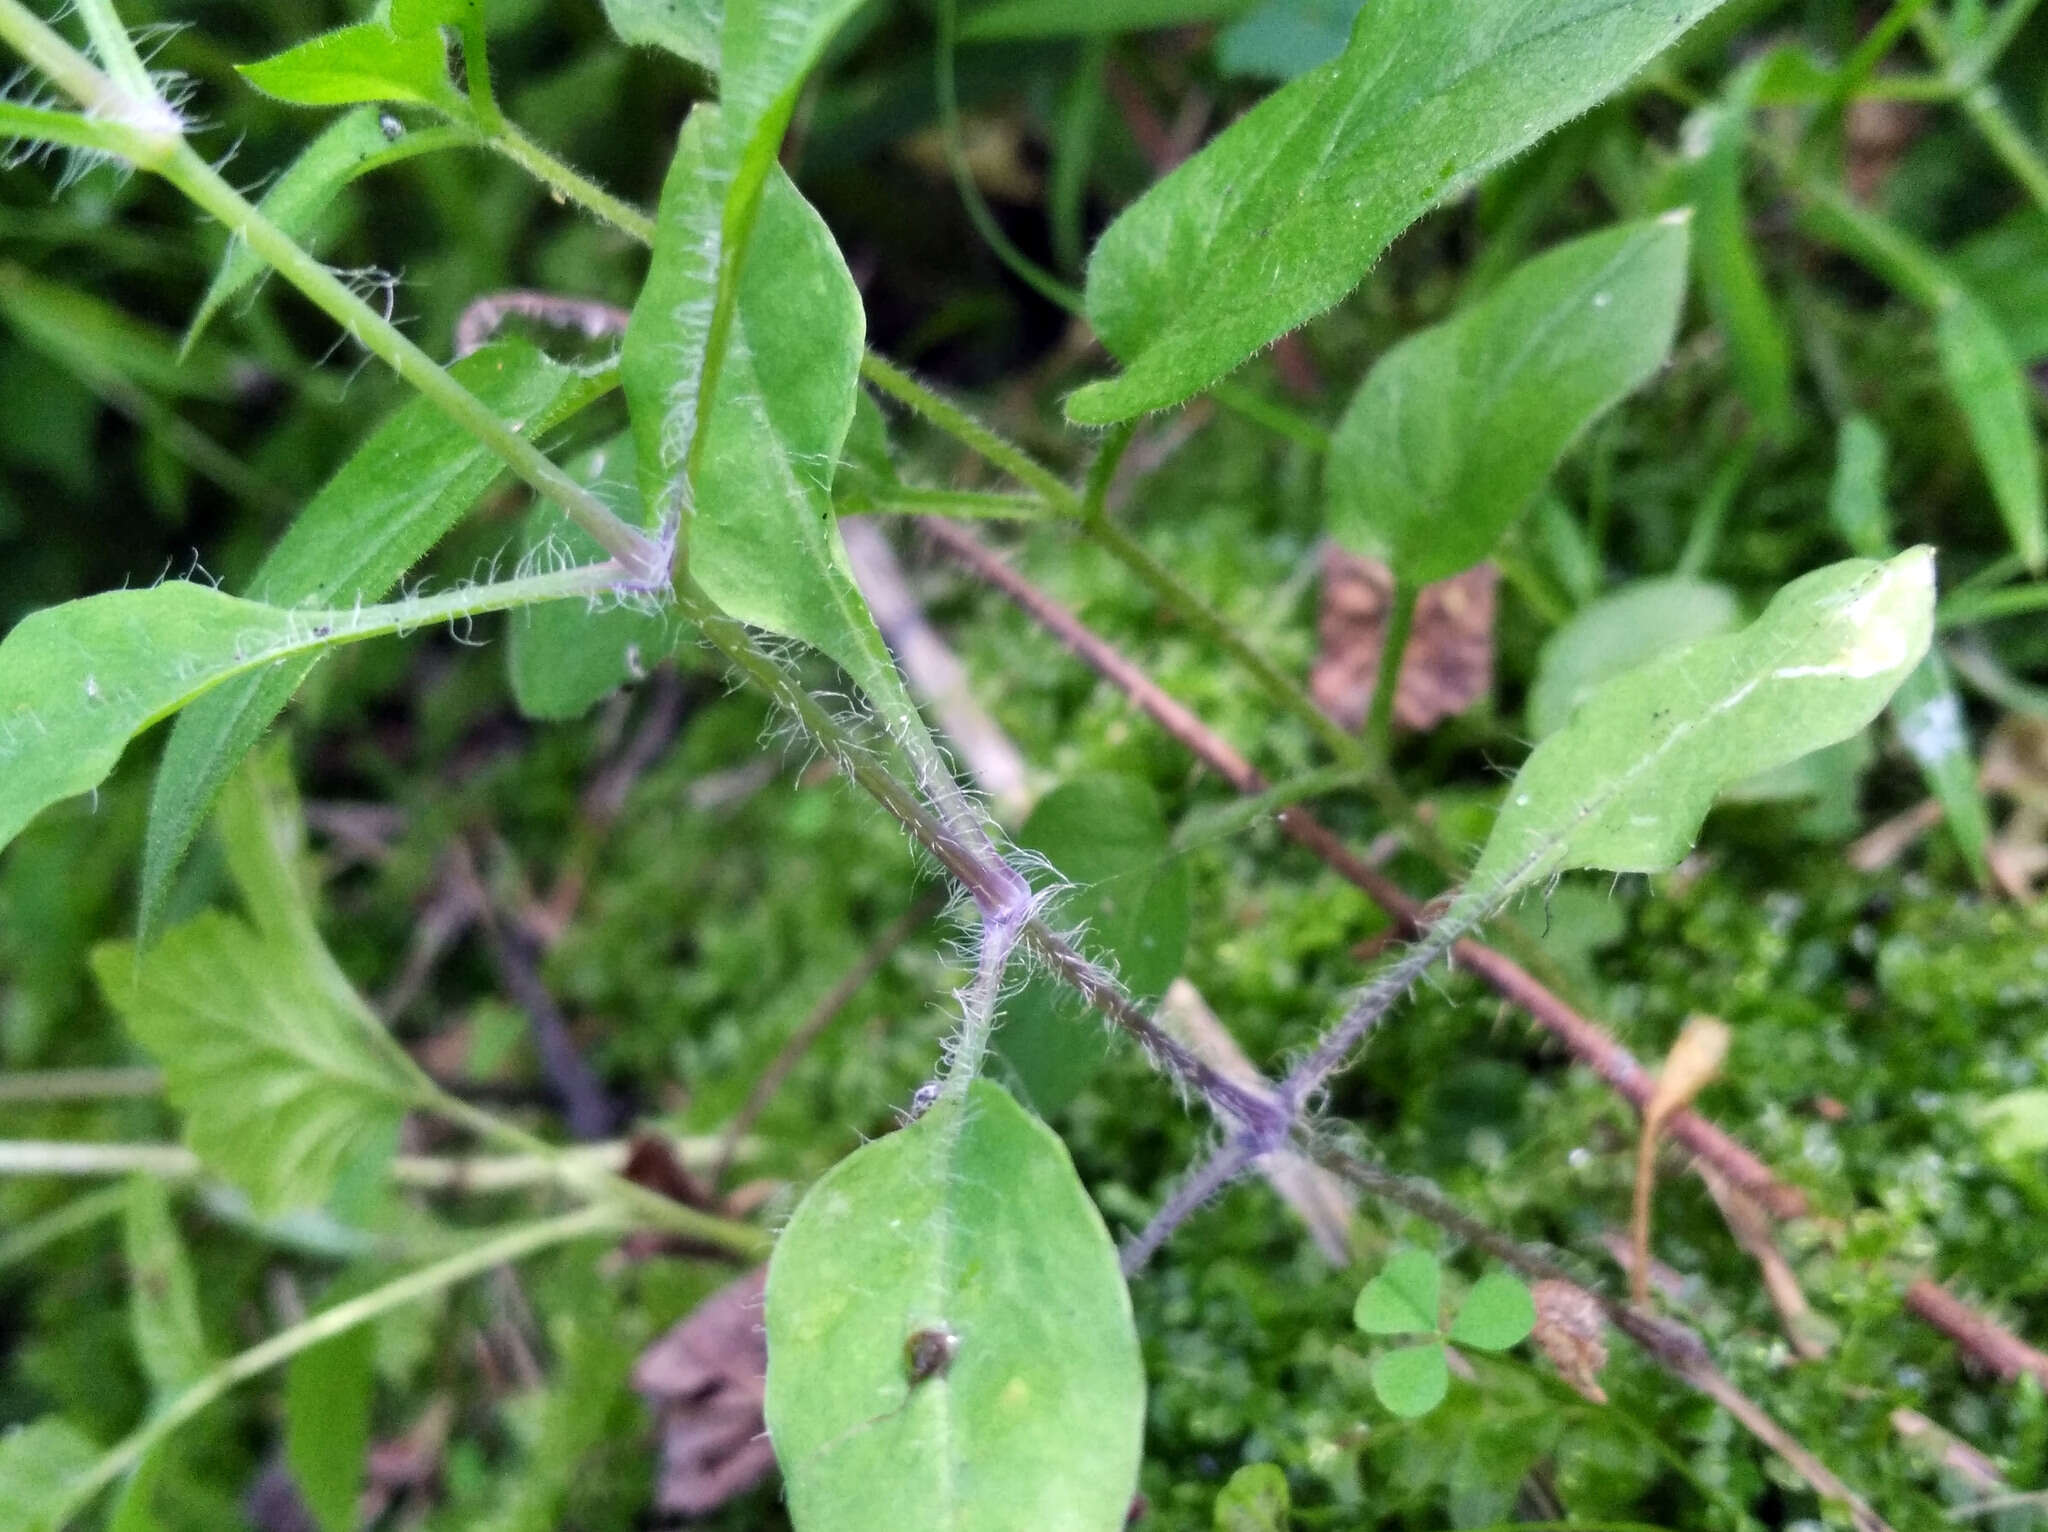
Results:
[928, 1353]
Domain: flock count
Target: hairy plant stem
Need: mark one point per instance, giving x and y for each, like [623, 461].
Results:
[991, 882]
[142, 113]
[1061, 501]
[567, 183]
[513, 1245]
[641, 560]
[153, 140]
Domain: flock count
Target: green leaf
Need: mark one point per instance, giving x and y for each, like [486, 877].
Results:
[93, 338]
[350, 147]
[1929, 718]
[969, 1223]
[1618, 632]
[1079, 18]
[1498, 1313]
[328, 1391]
[38, 1463]
[1286, 210]
[762, 540]
[1456, 428]
[1626, 783]
[1726, 259]
[567, 656]
[365, 62]
[1926, 711]
[2015, 1125]
[1992, 391]
[687, 28]
[1284, 38]
[1255, 1500]
[1404, 1299]
[1106, 837]
[409, 18]
[163, 1302]
[135, 1510]
[282, 1075]
[391, 502]
[262, 832]
[2006, 266]
[1856, 497]
[78, 681]
[1413, 1380]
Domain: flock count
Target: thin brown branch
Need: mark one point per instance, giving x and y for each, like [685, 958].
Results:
[1977, 1335]
[1672, 1346]
[1583, 1038]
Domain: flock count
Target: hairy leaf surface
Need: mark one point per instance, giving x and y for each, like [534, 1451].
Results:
[390, 503]
[78, 681]
[1625, 784]
[969, 1224]
[761, 536]
[1285, 211]
[1458, 426]
[366, 62]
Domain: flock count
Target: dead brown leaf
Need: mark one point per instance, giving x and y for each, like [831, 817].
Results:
[1448, 665]
[704, 1380]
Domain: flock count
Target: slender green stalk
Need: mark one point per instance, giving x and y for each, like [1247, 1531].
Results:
[117, 55]
[200, 182]
[44, 1086]
[569, 184]
[598, 1181]
[1998, 35]
[476, 73]
[1278, 686]
[1988, 113]
[31, 1238]
[1206, 825]
[157, 129]
[969, 432]
[1379, 722]
[1276, 418]
[1966, 71]
[1965, 607]
[61, 1157]
[1882, 38]
[157, 145]
[1028, 271]
[1102, 471]
[513, 1245]
[72, 130]
[961, 505]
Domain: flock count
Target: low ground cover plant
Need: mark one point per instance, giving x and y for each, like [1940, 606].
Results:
[1560, 337]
